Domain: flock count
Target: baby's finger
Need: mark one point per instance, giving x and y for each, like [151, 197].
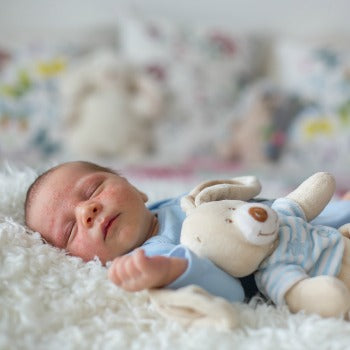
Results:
[148, 264]
[140, 260]
[139, 272]
[116, 272]
[112, 271]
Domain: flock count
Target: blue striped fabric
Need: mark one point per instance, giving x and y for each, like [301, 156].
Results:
[304, 251]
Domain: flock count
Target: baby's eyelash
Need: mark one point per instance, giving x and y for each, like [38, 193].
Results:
[92, 190]
[69, 233]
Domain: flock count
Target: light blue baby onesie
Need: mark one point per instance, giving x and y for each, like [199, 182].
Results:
[304, 250]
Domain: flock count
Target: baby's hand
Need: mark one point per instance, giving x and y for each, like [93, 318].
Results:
[137, 271]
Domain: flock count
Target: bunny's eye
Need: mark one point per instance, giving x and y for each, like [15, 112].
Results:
[229, 221]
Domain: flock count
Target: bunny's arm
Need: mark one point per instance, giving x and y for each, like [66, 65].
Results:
[314, 194]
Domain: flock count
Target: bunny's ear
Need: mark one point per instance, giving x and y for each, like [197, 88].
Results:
[193, 306]
[187, 204]
[239, 188]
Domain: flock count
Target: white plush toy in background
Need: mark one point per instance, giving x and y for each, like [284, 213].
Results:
[303, 265]
[109, 107]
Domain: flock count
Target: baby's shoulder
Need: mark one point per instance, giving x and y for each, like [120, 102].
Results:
[166, 203]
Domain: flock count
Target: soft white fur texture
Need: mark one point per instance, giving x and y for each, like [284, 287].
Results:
[49, 300]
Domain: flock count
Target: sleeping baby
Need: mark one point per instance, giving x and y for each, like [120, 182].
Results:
[92, 211]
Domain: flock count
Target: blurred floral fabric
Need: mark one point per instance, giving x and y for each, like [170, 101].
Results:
[205, 73]
[203, 70]
[29, 103]
[320, 135]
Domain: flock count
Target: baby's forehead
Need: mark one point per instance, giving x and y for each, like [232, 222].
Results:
[58, 182]
[75, 166]
[84, 166]
[61, 178]
[69, 173]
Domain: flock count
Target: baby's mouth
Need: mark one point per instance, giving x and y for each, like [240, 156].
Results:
[107, 223]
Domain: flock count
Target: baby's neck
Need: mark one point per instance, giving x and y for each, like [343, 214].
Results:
[154, 227]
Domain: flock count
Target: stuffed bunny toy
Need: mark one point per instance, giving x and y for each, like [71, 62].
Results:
[296, 263]
[304, 266]
[110, 108]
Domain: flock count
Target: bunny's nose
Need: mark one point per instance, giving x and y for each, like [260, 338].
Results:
[258, 214]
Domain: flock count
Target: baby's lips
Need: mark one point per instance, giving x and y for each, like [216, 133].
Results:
[106, 224]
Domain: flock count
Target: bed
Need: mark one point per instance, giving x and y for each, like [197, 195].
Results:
[52, 301]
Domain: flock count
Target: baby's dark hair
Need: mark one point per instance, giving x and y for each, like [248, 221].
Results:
[33, 188]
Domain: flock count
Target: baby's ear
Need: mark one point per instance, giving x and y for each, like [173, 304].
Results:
[143, 195]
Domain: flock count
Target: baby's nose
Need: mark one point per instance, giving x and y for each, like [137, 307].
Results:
[258, 214]
[89, 213]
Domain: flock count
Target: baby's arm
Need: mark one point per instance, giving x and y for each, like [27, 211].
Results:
[137, 271]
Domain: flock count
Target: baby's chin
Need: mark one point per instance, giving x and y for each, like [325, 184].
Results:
[103, 257]
[104, 260]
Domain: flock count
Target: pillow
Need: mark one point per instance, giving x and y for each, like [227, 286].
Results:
[319, 70]
[30, 104]
[320, 139]
[203, 71]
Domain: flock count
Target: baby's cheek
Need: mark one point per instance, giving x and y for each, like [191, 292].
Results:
[82, 249]
[113, 190]
[119, 194]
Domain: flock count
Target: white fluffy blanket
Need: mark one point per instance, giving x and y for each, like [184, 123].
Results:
[49, 300]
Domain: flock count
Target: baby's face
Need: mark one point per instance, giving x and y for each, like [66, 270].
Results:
[90, 213]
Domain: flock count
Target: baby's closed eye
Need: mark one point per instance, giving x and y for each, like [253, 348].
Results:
[92, 189]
